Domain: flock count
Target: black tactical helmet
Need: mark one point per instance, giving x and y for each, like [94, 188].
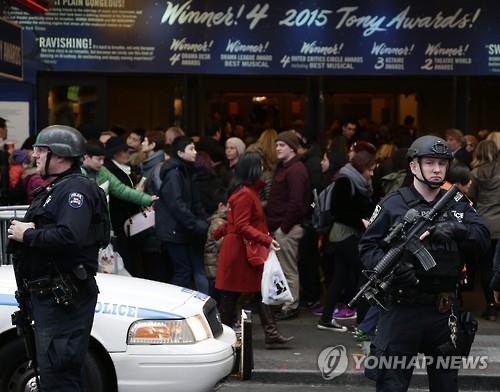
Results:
[429, 146]
[62, 140]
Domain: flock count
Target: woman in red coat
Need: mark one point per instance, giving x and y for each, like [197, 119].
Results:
[246, 222]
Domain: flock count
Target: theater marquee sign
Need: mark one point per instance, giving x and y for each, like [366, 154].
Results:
[314, 37]
[11, 52]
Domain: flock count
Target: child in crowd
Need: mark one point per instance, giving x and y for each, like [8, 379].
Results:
[212, 245]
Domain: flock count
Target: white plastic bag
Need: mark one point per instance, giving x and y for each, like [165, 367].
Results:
[274, 287]
[110, 262]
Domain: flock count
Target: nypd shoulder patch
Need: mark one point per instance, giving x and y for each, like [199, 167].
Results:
[75, 200]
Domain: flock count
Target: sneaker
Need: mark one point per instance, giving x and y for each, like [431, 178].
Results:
[344, 313]
[360, 335]
[331, 326]
[318, 311]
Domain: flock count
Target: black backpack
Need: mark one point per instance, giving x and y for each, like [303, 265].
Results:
[322, 218]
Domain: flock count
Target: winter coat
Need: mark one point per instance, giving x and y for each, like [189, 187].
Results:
[15, 174]
[111, 185]
[207, 183]
[150, 168]
[32, 182]
[119, 210]
[212, 246]
[246, 220]
[351, 201]
[485, 191]
[290, 195]
[179, 217]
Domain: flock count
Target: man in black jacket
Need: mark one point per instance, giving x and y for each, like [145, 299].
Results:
[117, 157]
[180, 220]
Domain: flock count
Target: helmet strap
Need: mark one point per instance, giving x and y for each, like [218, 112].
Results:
[47, 162]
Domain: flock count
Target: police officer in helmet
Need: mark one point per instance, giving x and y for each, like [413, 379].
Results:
[422, 307]
[58, 242]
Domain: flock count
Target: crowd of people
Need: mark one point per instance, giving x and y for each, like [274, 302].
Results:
[212, 193]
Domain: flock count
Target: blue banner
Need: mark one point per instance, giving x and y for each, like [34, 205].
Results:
[11, 52]
[279, 37]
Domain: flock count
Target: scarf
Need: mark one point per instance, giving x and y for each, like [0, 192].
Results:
[362, 185]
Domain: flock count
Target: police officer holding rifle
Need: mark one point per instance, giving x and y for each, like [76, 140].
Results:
[414, 249]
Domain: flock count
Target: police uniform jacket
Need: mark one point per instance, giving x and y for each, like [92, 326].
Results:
[449, 255]
[68, 226]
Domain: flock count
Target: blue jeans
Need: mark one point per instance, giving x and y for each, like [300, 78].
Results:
[188, 265]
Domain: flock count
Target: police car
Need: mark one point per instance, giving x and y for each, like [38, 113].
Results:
[147, 336]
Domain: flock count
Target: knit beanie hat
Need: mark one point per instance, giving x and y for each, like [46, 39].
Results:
[20, 156]
[290, 138]
[238, 143]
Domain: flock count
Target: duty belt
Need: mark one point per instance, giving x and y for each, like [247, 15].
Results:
[40, 287]
[62, 288]
[442, 300]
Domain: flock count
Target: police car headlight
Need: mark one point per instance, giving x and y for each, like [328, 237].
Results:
[160, 332]
[185, 331]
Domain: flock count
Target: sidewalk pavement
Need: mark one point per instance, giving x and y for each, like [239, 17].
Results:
[299, 362]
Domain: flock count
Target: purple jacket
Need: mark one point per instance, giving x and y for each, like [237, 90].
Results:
[289, 196]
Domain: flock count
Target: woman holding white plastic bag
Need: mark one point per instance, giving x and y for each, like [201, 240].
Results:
[246, 227]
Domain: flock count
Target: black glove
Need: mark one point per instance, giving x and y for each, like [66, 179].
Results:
[404, 275]
[450, 230]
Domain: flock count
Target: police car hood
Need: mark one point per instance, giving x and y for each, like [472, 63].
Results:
[7, 282]
[151, 299]
[129, 297]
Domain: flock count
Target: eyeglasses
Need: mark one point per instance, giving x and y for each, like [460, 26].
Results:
[39, 150]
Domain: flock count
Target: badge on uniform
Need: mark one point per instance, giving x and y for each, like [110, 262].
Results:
[47, 201]
[75, 200]
[377, 210]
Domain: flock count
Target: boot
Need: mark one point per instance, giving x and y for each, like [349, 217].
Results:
[227, 309]
[273, 337]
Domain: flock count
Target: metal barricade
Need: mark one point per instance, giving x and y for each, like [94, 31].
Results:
[7, 213]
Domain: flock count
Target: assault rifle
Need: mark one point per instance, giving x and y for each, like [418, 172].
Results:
[408, 234]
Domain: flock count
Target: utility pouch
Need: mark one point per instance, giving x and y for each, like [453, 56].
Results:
[64, 291]
[80, 272]
[40, 287]
[468, 328]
